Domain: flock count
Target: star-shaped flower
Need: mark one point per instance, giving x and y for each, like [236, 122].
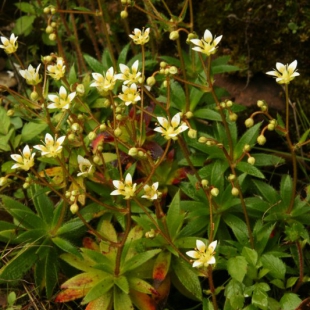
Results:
[51, 146]
[61, 101]
[85, 166]
[104, 82]
[9, 45]
[129, 76]
[170, 130]
[130, 94]
[284, 73]
[31, 75]
[140, 37]
[204, 255]
[24, 161]
[151, 192]
[207, 45]
[126, 188]
[58, 70]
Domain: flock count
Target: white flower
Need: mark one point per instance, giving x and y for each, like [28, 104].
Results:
[24, 161]
[170, 130]
[31, 75]
[129, 76]
[284, 73]
[9, 45]
[130, 94]
[85, 166]
[61, 101]
[126, 188]
[57, 71]
[204, 255]
[140, 37]
[151, 192]
[52, 148]
[105, 82]
[207, 45]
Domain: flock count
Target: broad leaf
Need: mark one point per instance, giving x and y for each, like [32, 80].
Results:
[237, 267]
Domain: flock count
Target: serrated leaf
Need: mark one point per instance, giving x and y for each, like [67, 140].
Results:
[249, 169]
[260, 298]
[250, 255]
[237, 267]
[177, 95]
[66, 246]
[289, 301]
[267, 191]
[23, 25]
[234, 294]
[26, 7]
[267, 160]
[291, 282]
[238, 227]
[275, 266]
[286, 187]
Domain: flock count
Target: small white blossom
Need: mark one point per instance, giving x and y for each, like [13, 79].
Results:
[151, 192]
[58, 70]
[51, 147]
[9, 45]
[284, 73]
[171, 129]
[31, 75]
[126, 188]
[104, 82]
[85, 166]
[207, 45]
[140, 37]
[130, 94]
[129, 76]
[204, 255]
[24, 161]
[61, 101]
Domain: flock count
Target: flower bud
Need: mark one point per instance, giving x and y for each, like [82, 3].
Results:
[235, 191]
[192, 133]
[34, 96]
[124, 2]
[10, 112]
[117, 132]
[92, 135]
[165, 84]
[249, 122]
[163, 64]
[173, 70]
[53, 10]
[202, 140]
[260, 103]
[204, 183]
[119, 117]
[229, 103]
[150, 234]
[97, 159]
[26, 185]
[74, 208]
[47, 10]
[246, 148]
[231, 177]
[189, 114]
[174, 35]
[103, 127]
[133, 151]
[75, 127]
[251, 160]
[261, 140]
[233, 117]
[3, 181]
[53, 24]
[214, 191]
[150, 81]
[52, 37]
[48, 58]
[71, 137]
[49, 29]
[124, 14]
[80, 89]
[271, 126]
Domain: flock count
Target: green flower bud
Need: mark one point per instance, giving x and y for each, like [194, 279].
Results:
[71, 137]
[52, 37]
[10, 112]
[47, 10]
[166, 71]
[235, 191]
[246, 148]
[165, 84]
[124, 14]
[249, 122]
[53, 24]
[189, 114]
[26, 185]
[233, 117]
[260, 103]
[261, 140]
[49, 29]
[204, 183]
[133, 151]
[192, 133]
[53, 10]
[80, 89]
[163, 64]
[124, 2]
[119, 117]
[174, 35]
[231, 177]
[117, 132]
[92, 135]
[97, 159]
[202, 140]
[150, 81]
[271, 127]
[251, 160]
[34, 96]
[74, 208]
[3, 181]
[173, 70]
[229, 103]
[214, 191]
[103, 127]
[48, 58]
[75, 127]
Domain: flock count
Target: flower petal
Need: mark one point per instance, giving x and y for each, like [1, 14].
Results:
[200, 246]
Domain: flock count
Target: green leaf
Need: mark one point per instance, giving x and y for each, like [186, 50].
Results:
[122, 301]
[19, 264]
[234, 294]
[177, 95]
[291, 281]
[23, 25]
[161, 266]
[267, 191]
[123, 54]
[94, 64]
[70, 227]
[138, 260]
[275, 266]
[286, 187]
[122, 283]
[290, 301]
[208, 114]
[4, 121]
[187, 278]
[99, 289]
[260, 298]
[267, 160]
[174, 216]
[249, 137]
[140, 285]
[32, 130]
[250, 255]
[106, 59]
[50, 272]
[66, 246]
[42, 203]
[238, 227]
[249, 169]
[237, 267]
[26, 7]
[219, 65]
[72, 77]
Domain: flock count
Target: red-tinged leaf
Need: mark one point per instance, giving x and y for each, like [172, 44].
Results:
[101, 303]
[161, 267]
[89, 243]
[70, 294]
[154, 148]
[141, 286]
[82, 280]
[162, 292]
[142, 301]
